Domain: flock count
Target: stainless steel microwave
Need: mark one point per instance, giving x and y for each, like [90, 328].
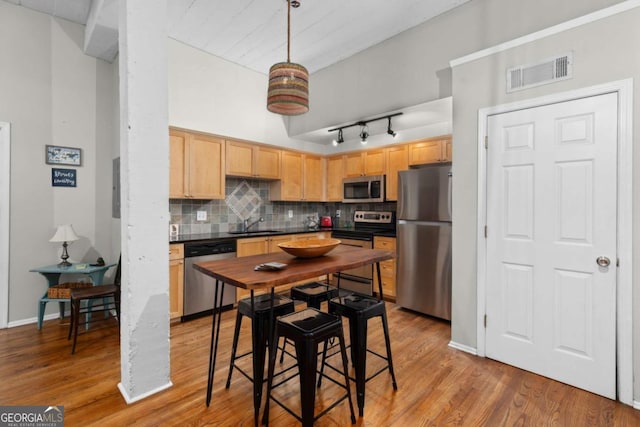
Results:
[363, 189]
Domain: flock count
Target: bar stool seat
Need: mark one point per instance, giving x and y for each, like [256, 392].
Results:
[359, 309]
[260, 331]
[313, 293]
[308, 328]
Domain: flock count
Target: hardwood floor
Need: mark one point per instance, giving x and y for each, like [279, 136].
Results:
[438, 386]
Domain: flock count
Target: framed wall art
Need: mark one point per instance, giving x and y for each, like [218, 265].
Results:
[63, 177]
[56, 155]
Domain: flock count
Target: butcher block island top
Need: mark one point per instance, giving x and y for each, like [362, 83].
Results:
[240, 271]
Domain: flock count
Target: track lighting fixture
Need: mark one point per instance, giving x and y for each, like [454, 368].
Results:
[389, 130]
[364, 129]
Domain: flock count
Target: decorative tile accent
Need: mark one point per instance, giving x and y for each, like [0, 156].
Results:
[243, 200]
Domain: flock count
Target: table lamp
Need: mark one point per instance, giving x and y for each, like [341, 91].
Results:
[64, 234]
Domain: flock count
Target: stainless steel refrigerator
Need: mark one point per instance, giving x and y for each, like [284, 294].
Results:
[424, 240]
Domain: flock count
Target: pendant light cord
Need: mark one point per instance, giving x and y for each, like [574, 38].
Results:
[288, 30]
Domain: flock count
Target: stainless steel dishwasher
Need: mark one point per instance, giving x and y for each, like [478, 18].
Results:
[198, 287]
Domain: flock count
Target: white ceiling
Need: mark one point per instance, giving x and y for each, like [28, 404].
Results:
[253, 33]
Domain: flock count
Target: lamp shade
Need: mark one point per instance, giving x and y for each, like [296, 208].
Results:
[288, 92]
[64, 233]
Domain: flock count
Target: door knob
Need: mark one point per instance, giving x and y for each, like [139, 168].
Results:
[603, 261]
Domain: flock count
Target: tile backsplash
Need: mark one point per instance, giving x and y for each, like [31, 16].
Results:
[249, 199]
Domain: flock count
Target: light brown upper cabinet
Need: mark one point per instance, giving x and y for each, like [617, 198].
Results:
[374, 162]
[196, 166]
[252, 160]
[313, 178]
[430, 151]
[301, 178]
[447, 150]
[290, 185]
[397, 160]
[353, 164]
[360, 163]
[334, 175]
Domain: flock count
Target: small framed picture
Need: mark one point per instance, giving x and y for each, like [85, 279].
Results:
[63, 177]
[56, 155]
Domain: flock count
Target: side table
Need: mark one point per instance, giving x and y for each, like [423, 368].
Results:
[52, 274]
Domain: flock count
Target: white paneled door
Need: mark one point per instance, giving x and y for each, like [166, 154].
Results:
[551, 241]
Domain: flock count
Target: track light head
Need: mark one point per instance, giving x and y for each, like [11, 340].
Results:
[339, 139]
[389, 130]
[364, 134]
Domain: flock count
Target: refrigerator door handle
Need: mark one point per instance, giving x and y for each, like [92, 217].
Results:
[450, 195]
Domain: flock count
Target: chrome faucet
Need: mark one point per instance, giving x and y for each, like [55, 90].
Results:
[246, 225]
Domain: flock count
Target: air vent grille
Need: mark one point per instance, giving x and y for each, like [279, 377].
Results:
[548, 71]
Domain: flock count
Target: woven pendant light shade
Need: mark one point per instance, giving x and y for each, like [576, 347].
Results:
[288, 92]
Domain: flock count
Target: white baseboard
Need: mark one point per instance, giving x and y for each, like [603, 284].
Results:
[463, 347]
[636, 404]
[131, 400]
[31, 320]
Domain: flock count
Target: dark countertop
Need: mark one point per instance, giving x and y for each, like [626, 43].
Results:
[189, 238]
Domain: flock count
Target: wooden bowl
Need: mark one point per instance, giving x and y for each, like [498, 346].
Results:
[309, 248]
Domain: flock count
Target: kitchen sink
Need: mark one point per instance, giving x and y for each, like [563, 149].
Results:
[253, 232]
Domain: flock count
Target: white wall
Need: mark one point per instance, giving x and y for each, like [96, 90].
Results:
[51, 93]
[601, 54]
[5, 179]
[212, 95]
[413, 67]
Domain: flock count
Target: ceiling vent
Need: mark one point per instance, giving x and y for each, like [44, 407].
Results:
[548, 71]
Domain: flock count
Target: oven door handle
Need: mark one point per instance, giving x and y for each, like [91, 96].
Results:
[354, 278]
[366, 244]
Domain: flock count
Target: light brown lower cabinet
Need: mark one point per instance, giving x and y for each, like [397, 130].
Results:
[387, 268]
[176, 280]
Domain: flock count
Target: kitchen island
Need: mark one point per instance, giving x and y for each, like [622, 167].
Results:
[240, 272]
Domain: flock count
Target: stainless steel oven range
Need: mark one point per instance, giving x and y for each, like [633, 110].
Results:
[366, 225]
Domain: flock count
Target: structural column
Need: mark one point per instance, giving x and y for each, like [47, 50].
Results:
[144, 169]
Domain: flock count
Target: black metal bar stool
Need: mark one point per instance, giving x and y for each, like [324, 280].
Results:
[307, 329]
[314, 293]
[260, 319]
[359, 309]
